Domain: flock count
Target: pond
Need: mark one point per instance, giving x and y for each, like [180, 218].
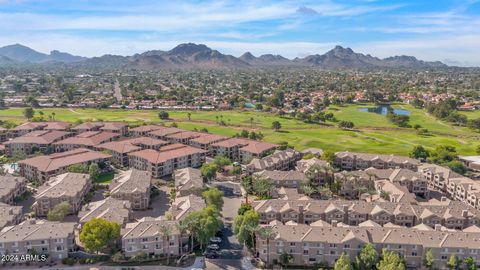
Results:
[383, 110]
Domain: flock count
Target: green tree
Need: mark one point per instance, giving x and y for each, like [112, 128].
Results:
[452, 263]
[208, 171]
[221, 161]
[244, 207]
[470, 263]
[99, 234]
[28, 113]
[59, 211]
[391, 261]
[419, 152]
[77, 168]
[276, 125]
[329, 156]
[244, 227]
[214, 197]
[429, 259]
[346, 125]
[267, 234]
[343, 263]
[189, 115]
[457, 166]
[163, 115]
[93, 170]
[367, 258]
[166, 231]
[262, 187]
[285, 259]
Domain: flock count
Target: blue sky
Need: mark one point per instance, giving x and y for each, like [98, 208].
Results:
[442, 30]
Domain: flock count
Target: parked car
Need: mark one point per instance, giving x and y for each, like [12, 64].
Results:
[213, 247]
[211, 254]
[215, 240]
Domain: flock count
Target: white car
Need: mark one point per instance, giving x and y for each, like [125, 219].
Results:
[215, 240]
[213, 247]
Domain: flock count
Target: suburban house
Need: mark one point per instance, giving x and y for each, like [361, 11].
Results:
[41, 168]
[133, 186]
[56, 239]
[67, 187]
[11, 187]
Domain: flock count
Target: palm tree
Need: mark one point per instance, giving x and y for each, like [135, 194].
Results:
[251, 122]
[216, 119]
[165, 230]
[182, 228]
[268, 234]
[53, 116]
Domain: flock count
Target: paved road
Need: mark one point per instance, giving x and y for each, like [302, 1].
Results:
[117, 91]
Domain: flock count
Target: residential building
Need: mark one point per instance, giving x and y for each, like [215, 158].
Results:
[146, 236]
[361, 161]
[304, 165]
[56, 239]
[87, 126]
[41, 168]
[286, 179]
[10, 215]
[437, 176]
[143, 130]
[316, 152]
[133, 186]
[448, 213]
[3, 134]
[27, 128]
[89, 139]
[183, 206]
[256, 149]
[187, 181]
[11, 187]
[183, 137]
[316, 243]
[228, 148]
[162, 133]
[394, 192]
[67, 187]
[35, 141]
[204, 142]
[120, 128]
[279, 160]
[111, 209]
[167, 159]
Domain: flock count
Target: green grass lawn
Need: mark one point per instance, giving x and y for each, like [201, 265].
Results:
[105, 178]
[373, 133]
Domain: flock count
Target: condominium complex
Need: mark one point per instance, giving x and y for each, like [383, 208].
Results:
[35, 141]
[167, 159]
[111, 209]
[362, 161]
[133, 186]
[67, 187]
[188, 180]
[10, 215]
[88, 139]
[11, 187]
[56, 239]
[279, 160]
[320, 243]
[41, 168]
[152, 237]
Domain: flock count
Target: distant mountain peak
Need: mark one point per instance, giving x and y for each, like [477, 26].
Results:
[248, 56]
[189, 49]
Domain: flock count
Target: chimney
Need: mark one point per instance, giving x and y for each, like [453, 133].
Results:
[465, 213]
[334, 223]
[438, 227]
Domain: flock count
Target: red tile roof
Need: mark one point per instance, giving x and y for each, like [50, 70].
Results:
[167, 153]
[64, 159]
[39, 137]
[89, 138]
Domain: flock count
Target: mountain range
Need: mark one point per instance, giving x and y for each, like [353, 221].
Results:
[199, 56]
